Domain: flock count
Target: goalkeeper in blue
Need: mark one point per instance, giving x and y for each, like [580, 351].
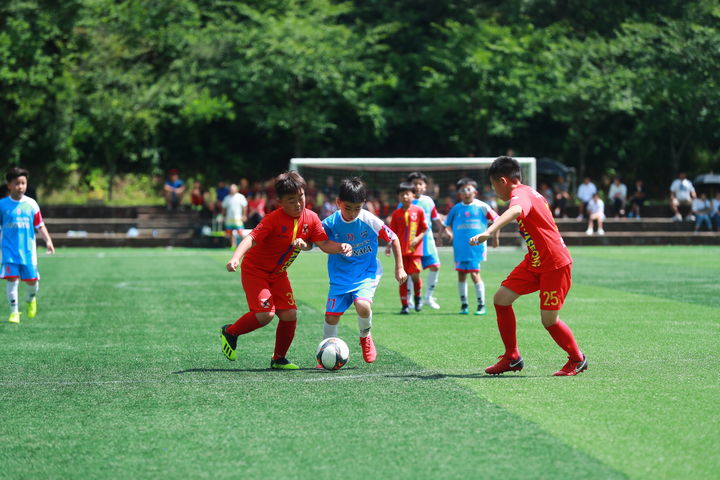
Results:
[466, 219]
[354, 278]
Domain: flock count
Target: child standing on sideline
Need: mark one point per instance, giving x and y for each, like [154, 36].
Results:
[430, 258]
[546, 267]
[20, 217]
[468, 218]
[354, 278]
[408, 222]
[266, 254]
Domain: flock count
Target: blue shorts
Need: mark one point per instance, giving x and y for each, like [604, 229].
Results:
[430, 260]
[339, 300]
[26, 273]
[468, 266]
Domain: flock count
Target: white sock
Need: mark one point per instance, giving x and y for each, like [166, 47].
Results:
[364, 325]
[410, 287]
[480, 292]
[32, 291]
[12, 295]
[432, 279]
[462, 290]
[330, 330]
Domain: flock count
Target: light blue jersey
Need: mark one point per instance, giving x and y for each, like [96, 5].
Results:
[430, 253]
[468, 220]
[349, 273]
[19, 219]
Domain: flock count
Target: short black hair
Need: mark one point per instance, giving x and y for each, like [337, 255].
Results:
[406, 186]
[466, 181]
[15, 172]
[352, 190]
[417, 176]
[289, 183]
[505, 167]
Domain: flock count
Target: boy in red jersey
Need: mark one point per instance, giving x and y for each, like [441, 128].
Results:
[266, 254]
[546, 267]
[408, 223]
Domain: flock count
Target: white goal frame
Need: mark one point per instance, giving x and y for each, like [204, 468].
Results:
[425, 164]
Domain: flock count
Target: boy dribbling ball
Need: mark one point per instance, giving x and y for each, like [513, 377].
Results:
[267, 252]
[467, 218]
[546, 267]
[20, 217]
[354, 278]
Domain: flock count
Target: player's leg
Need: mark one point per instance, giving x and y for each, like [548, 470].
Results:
[363, 307]
[432, 264]
[11, 273]
[417, 287]
[479, 293]
[462, 291]
[409, 286]
[337, 303]
[284, 335]
[29, 274]
[554, 287]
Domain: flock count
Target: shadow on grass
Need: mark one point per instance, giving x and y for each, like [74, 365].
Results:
[252, 370]
[479, 376]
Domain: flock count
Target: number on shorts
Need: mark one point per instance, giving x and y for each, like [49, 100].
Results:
[291, 298]
[331, 303]
[551, 298]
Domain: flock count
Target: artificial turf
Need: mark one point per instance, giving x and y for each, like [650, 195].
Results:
[121, 376]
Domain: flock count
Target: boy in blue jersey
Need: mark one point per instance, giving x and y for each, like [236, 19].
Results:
[354, 278]
[430, 258]
[466, 219]
[20, 217]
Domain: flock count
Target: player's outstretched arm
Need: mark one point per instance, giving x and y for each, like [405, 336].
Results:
[48, 241]
[302, 244]
[246, 244]
[329, 246]
[400, 274]
[508, 216]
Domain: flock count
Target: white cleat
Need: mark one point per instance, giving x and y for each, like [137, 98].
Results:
[432, 303]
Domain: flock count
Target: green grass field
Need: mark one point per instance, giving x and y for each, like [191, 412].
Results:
[121, 376]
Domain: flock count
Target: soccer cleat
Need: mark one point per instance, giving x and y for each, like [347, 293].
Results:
[572, 368]
[432, 302]
[32, 308]
[14, 317]
[405, 310]
[283, 364]
[480, 310]
[464, 309]
[505, 365]
[229, 343]
[368, 349]
[418, 304]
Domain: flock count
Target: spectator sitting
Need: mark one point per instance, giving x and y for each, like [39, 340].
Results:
[488, 196]
[682, 194]
[547, 192]
[221, 192]
[173, 190]
[715, 215]
[562, 195]
[637, 199]
[617, 194]
[595, 211]
[702, 209]
[256, 209]
[197, 197]
[585, 193]
[328, 207]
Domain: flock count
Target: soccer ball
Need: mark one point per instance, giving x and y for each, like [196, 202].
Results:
[332, 353]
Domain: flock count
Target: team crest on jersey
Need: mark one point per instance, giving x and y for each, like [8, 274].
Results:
[265, 302]
[413, 216]
[467, 214]
[306, 228]
[364, 234]
[350, 237]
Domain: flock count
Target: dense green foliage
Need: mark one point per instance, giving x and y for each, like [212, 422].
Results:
[121, 376]
[225, 88]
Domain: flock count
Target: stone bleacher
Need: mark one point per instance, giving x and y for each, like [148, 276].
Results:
[98, 226]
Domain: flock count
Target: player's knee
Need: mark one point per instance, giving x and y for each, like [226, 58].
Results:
[264, 317]
[363, 308]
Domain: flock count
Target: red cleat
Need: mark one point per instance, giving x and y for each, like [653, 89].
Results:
[572, 368]
[368, 349]
[506, 365]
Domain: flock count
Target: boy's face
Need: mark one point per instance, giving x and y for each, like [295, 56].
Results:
[467, 194]
[17, 187]
[293, 204]
[406, 198]
[420, 186]
[502, 187]
[349, 210]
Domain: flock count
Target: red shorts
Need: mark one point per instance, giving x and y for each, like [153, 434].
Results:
[412, 264]
[553, 285]
[267, 292]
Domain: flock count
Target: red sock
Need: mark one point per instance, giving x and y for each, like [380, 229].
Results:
[418, 287]
[506, 325]
[283, 338]
[245, 324]
[404, 294]
[563, 336]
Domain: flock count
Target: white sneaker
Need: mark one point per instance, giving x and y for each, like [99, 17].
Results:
[601, 231]
[411, 302]
[433, 303]
[589, 231]
[579, 217]
[677, 218]
[690, 218]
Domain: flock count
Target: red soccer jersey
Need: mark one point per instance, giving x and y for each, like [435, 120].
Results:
[546, 248]
[273, 251]
[407, 224]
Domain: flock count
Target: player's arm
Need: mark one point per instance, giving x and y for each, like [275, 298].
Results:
[48, 241]
[246, 244]
[448, 231]
[303, 245]
[507, 217]
[330, 247]
[400, 274]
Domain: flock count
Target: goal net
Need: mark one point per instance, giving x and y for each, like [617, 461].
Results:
[382, 175]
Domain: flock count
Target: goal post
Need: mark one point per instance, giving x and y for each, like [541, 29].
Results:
[384, 174]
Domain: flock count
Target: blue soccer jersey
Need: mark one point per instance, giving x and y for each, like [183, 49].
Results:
[348, 273]
[466, 221]
[428, 206]
[19, 219]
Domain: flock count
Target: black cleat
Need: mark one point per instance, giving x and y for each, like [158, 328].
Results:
[229, 343]
[405, 310]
